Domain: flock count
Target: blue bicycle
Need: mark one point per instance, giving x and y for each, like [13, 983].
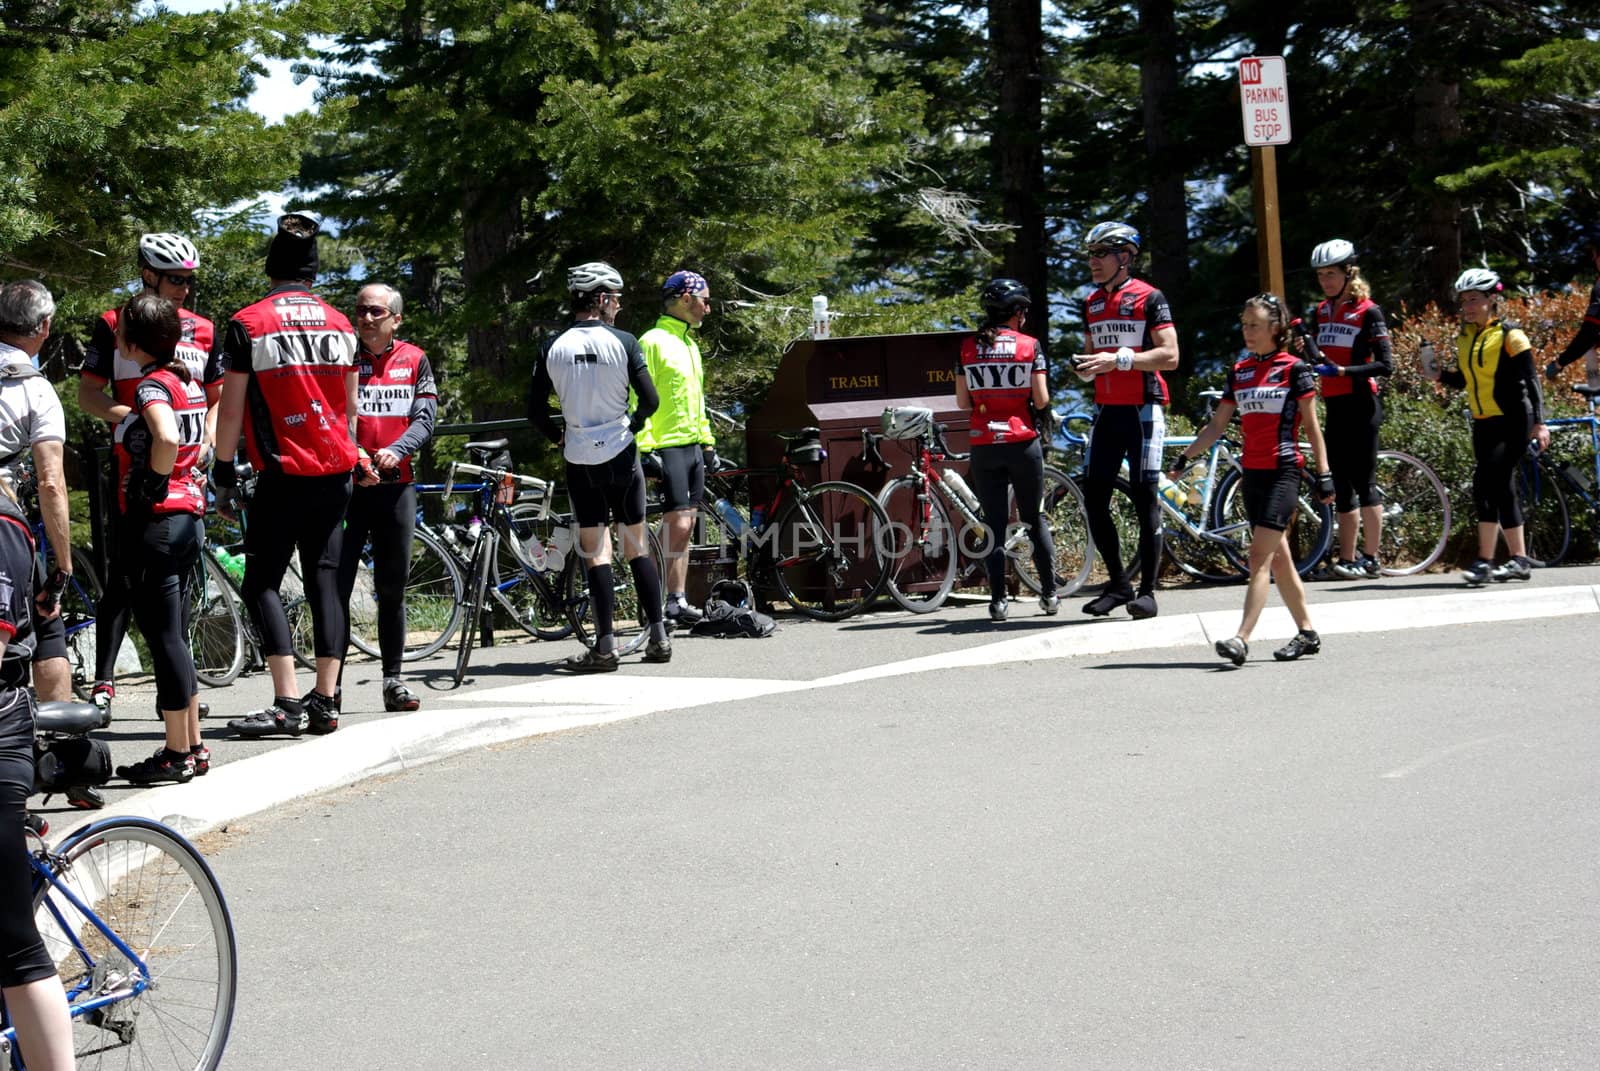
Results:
[141, 936]
[81, 595]
[1545, 487]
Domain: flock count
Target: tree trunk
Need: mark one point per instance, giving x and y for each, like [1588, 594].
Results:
[1436, 127]
[491, 223]
[1016, 38]
[1168, 238]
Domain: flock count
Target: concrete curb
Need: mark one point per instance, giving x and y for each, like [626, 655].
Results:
[506, 713]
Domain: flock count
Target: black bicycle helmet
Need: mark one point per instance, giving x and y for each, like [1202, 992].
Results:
[1005, 295]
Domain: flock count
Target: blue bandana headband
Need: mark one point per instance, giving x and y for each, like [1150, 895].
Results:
[684, 282]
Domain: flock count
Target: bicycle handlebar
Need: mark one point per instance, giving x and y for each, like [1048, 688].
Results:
[491, 476]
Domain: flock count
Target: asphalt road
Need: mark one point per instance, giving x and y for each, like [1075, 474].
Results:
[1380, 857]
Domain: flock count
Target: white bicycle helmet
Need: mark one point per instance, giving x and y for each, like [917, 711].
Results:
[1481, 279]
[595, 275]
[1332, 253]
[906, 422]
[166, 252]
[1112, 233]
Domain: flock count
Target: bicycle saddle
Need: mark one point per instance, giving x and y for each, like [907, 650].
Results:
[67, 718]
[1586, 390]
[489, 447]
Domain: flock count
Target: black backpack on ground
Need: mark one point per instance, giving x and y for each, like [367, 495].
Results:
[731, 611]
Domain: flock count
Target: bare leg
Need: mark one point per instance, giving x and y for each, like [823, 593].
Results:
[52, 680]
[44, 1029]
[675, 531]
[281, 667]
[1515, 544]
[1488, 534]
[328, 674]
[1371, 530]
[1290, 589]
[1349, 525]
[1264, 545]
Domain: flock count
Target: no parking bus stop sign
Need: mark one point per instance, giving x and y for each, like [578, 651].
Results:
[1264, 100]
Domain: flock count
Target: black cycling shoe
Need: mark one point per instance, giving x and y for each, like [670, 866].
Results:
[277, 720]
[682, 615]
[159, 767]
[322, 713]
[1106, 603]
[200, 755]
[1234, 650]
[592, 661]
[1305, 642]
[397, 699]
[658, 651]
[1143, 607]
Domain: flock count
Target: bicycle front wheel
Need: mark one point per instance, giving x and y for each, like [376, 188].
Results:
[472, 604]
[1546, 522]
[829, 550]
[629, 619]
[1061, 505]
[921, 546]
[215, 626]
[1415, 514]
[432, 601]
[1310, 530]
[171, 1002]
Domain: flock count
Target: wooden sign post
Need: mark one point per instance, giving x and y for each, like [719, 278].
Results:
[1264, 109]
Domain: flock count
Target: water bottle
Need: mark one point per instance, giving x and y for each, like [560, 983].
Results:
[819, 317]
[474, 529]
[732, 519]
[1174, 493]
[533, 550]
[758, 517]
[952, 479]
[232, 564]
[560, 543]
[1429, 359]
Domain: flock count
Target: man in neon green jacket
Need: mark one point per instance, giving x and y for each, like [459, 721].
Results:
[679, 434]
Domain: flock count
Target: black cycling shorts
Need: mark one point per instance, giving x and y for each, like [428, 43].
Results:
[610, 491]
[49, 639]
[1270, 497]
[684, 475]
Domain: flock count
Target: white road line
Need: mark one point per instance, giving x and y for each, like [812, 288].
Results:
[1440, 754]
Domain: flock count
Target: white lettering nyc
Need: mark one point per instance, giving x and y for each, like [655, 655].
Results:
[997, 375]
[283, 349]
[1337, 334]
[385, 401]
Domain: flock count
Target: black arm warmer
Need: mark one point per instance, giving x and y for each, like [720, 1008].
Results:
[424, 411]
[1530, 383]
[539, 402]
[1452, 377]
[1378, 353]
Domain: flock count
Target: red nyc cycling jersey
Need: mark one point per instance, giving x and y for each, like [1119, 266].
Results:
[390, 383]
[1270, 393]
[1345, 337]
[197, 348]
[188, 404]
[1127, 316]
[1000, 382]
[297, 350]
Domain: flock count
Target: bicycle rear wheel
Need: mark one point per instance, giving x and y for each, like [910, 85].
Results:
[1310, 532]
[829, 550]
[1061, 504]
[215, 625]
[1546, 522]
[921, 548]
[522, 602]
[152, 889]
[630, 622]
[1416, 514]
[432, 601]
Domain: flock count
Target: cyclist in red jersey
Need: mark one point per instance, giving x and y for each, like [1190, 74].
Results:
[1131, 340]
[398, 404]
[1003, 381]
[161, 503]
[1588, 336]
[290, 389]
[167, 263]
[1275, 394]
[1350, 350]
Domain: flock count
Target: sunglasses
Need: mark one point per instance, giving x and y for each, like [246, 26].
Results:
[1101, 252]
[375, 312]
[177, 280]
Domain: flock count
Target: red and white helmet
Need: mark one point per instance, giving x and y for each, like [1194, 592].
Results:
[168, 252]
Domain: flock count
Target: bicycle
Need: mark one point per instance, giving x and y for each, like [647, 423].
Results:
[1545, 486]
[821, 546]
[1416, 514]
[79, 599]
[930, 556]
[140, 933]
[520, 560]
[1205, 531]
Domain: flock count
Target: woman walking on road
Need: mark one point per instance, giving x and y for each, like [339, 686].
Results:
[1275, 393]
[1495, 366]
[1003, 381]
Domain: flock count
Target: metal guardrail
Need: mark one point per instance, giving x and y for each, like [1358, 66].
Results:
[478, 427]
